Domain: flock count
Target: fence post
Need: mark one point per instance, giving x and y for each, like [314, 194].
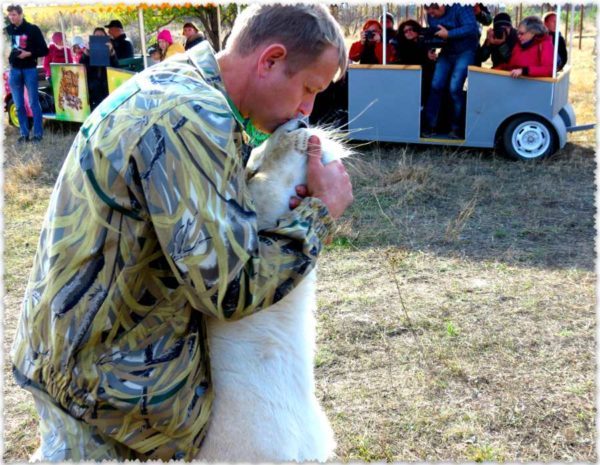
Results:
[568, 9]
[581, 11]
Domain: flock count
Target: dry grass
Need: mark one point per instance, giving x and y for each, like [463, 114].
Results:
[456, 304]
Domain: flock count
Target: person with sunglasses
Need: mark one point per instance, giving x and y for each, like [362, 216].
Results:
[413, 51]
[533, 54]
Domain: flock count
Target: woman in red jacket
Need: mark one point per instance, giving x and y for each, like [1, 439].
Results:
[369, 49]
[532, 56]
[56, 53]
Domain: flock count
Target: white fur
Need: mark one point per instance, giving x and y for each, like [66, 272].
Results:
[265, 407]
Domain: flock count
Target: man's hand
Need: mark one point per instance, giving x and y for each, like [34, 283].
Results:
[330, 182]
[442, 32]
[490, 39]
[23, 54]
[431, 54]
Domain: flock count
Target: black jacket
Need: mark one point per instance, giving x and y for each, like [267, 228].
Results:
[193, 40]
[123, 47]
[562, 51]
[500, 53]
[96, 79]
[27, 37]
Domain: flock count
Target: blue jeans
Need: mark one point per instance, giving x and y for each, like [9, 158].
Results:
[18, 80]
[450, 72]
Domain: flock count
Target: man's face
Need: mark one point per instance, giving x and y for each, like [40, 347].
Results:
[15, 18]
[436, 12]
[389, 24]
[188, 31]
[114, 32]
[278, 97]
[550, 23]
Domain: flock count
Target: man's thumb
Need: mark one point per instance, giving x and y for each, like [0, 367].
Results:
[314, 153]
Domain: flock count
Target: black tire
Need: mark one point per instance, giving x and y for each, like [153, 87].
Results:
[46, 101]
[529, 137]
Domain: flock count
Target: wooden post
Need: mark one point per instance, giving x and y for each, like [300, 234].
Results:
[581, 10]
[406, 12]
[568, 9]
[521, 12]
[542, 11]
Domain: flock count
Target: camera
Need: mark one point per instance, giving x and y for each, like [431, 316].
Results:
[369, 35]
[427, 36]
[14, 53]
[498, 32]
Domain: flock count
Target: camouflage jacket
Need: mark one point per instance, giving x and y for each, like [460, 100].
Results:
[150, 230]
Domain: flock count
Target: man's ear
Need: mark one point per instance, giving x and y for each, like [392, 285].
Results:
[272, 56]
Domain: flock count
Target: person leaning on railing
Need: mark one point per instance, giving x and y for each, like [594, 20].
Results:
[533, 54]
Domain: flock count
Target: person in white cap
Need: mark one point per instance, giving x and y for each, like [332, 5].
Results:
[78, 46]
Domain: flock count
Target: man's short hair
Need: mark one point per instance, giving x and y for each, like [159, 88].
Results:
[16, 8]
[548, 15]
[192, 25]
[306, 30]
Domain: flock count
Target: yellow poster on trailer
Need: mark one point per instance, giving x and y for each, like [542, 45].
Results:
[69, 86]
[116, 77]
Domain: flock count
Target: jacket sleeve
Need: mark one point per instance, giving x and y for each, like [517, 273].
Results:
[543, 65]
[199, 206]
[46, 62]
[562, 51]
[484, 52]
[39, 49]
[129, 47]
[507, 66]
[355, 51]
[113, 60]
[467, 24]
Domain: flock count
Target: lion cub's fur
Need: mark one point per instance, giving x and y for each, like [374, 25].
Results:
[265, 407]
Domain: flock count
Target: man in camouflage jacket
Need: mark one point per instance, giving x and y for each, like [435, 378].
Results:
[150, 230]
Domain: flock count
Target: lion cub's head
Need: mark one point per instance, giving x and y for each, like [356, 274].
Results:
[277, 166]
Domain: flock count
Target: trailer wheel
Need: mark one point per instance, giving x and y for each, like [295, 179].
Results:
[529, 137]
[11, 109]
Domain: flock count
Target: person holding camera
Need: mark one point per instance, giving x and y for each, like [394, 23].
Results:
[500, 41]
[27, 45]
[369, 49]
[413, 50]
[457, 26]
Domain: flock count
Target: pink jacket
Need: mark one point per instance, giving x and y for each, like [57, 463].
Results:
[56, 55]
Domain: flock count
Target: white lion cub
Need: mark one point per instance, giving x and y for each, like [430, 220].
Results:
[265, 409]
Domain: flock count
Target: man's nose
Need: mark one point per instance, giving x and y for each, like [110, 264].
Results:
[306, 107]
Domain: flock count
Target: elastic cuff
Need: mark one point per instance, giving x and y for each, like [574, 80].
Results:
[322, 220]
